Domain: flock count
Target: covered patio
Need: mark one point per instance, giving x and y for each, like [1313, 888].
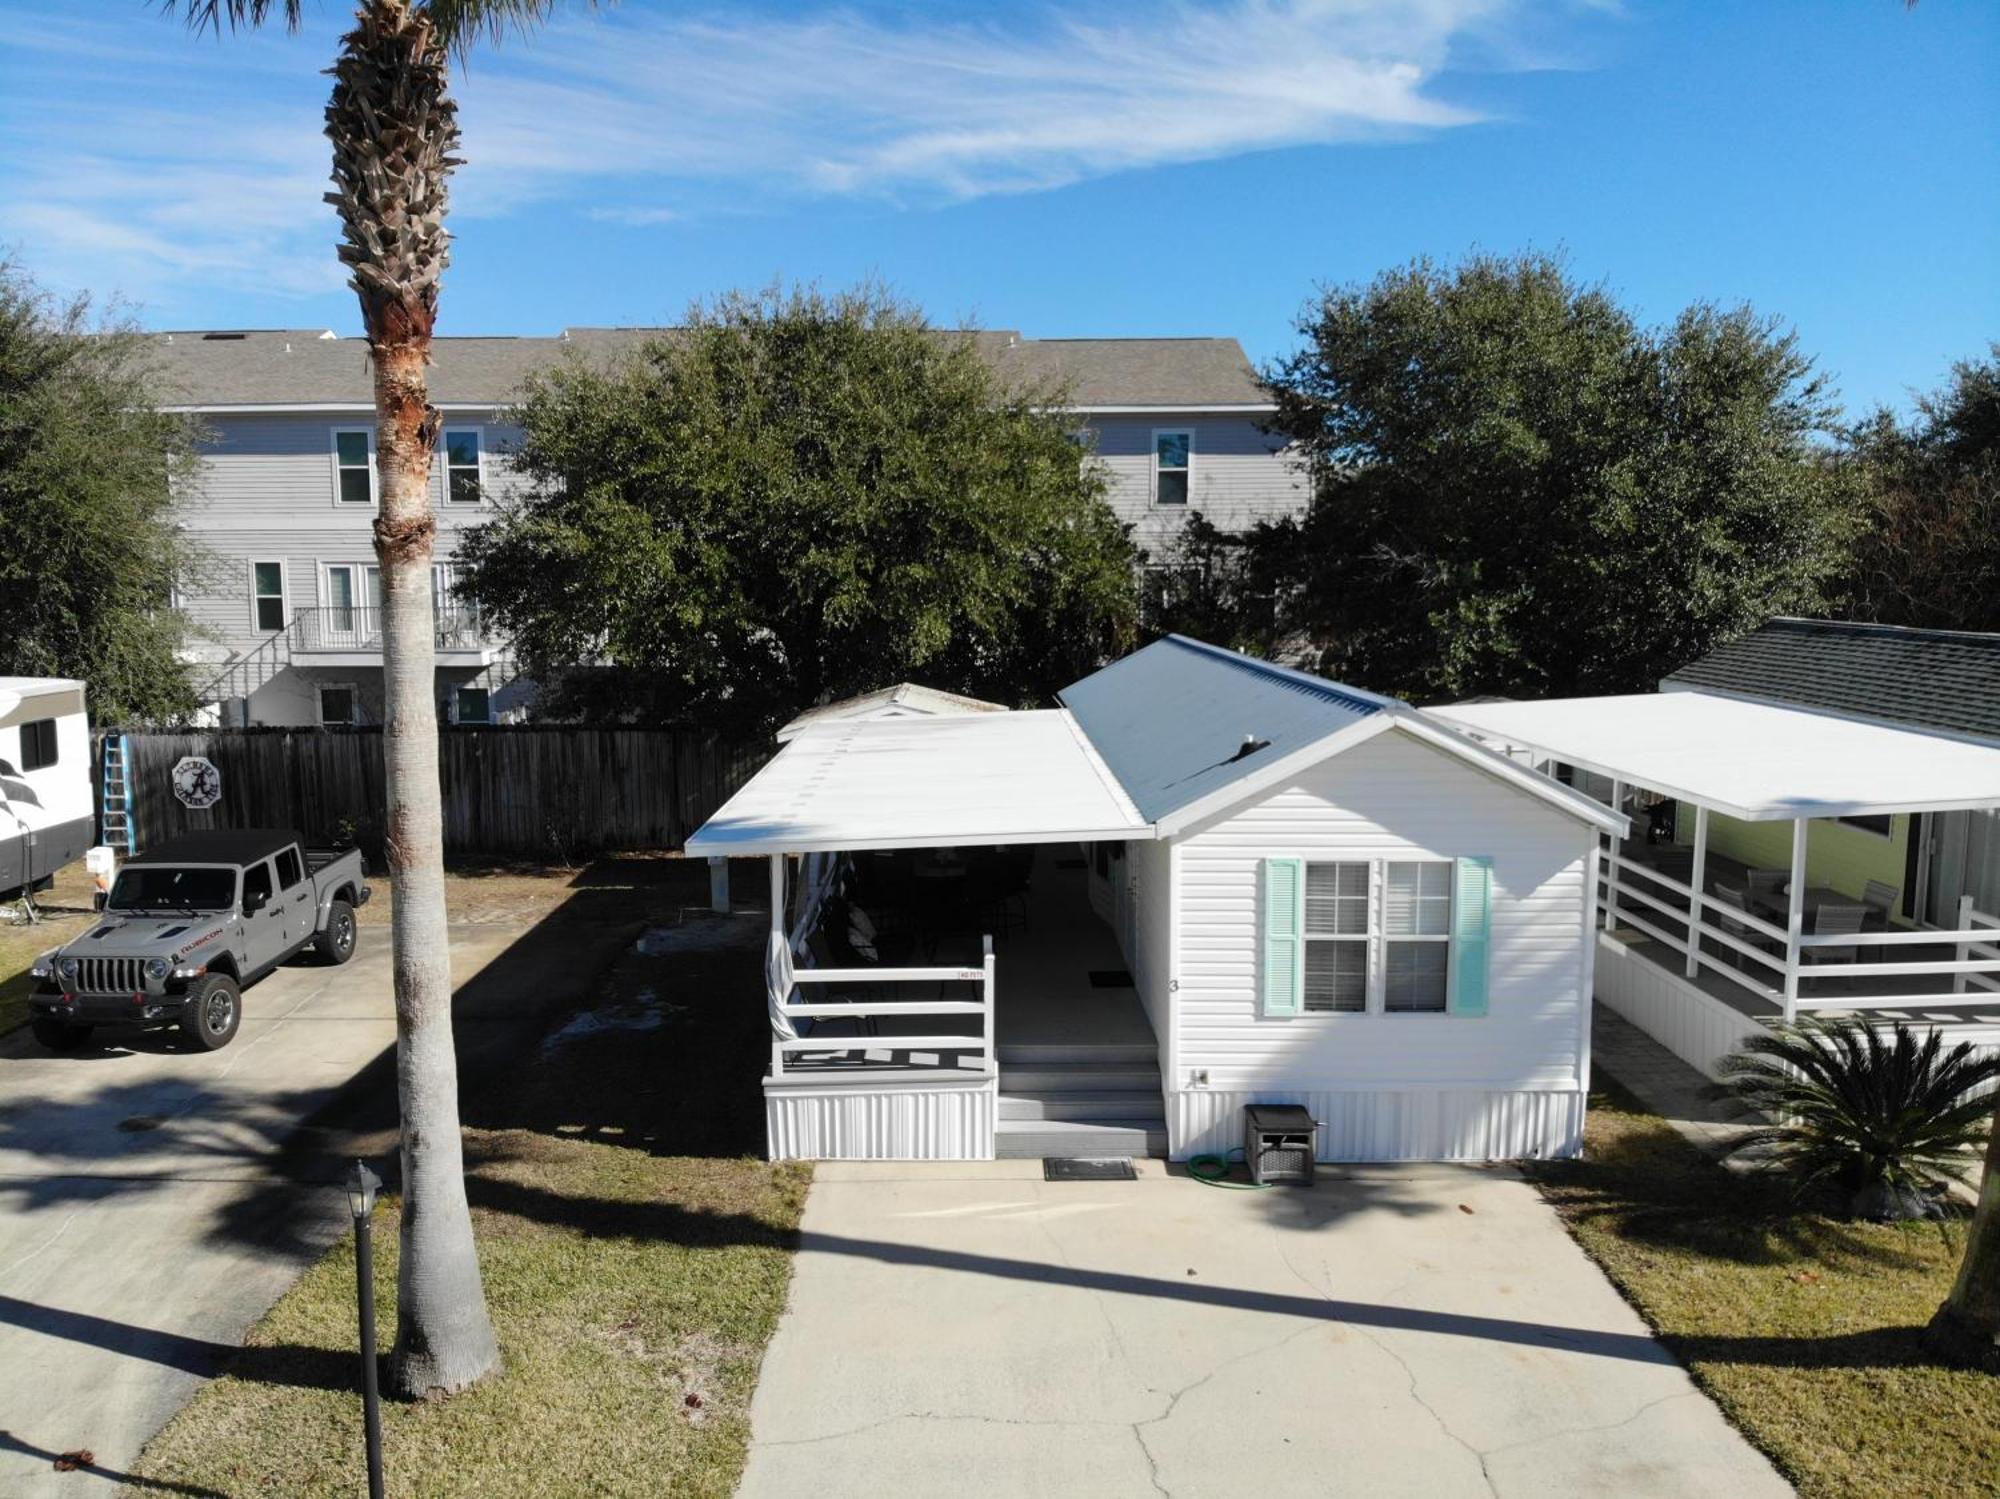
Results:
[929, 922]
[1794, 912]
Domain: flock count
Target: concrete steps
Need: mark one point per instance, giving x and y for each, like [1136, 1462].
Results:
[1080, 1100]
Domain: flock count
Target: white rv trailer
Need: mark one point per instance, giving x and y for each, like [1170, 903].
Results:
[47, 814]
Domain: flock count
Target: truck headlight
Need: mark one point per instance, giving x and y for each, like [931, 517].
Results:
[158, 968]
[67, 967]
[190, 971]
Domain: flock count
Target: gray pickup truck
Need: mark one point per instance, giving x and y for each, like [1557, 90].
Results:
[187, 927]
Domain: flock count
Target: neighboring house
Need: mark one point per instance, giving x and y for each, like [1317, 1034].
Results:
[1821, 807]
[1246, 885]
[290, 616]
[1936, 681]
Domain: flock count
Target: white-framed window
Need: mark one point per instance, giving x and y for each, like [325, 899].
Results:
[339, 705]
[353, 466]
[1377, 937]
[1339, 898]
[267, 596]
[1173, 465]
[464, 478]
[471, 705]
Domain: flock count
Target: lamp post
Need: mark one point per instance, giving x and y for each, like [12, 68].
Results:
[361, 1202]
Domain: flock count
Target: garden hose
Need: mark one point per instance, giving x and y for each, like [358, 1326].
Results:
[1213, 1171]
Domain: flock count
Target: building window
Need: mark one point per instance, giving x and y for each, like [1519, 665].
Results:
[461, 465]
[38, 745]
[336, 705]
[1336, 933]
[1417, 927]
[1173, 466]
[1378, 937]
[267, 595]
[471, 705]
[1881, 827]
[354, 472]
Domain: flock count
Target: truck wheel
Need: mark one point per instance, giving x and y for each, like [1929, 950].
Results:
[336, 939]
[214, 1010]
[59, 1035]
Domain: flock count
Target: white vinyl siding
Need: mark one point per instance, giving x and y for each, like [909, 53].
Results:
[1241, 475]
[1390, 801]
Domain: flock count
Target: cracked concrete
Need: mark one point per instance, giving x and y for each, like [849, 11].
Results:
[1393, 1330]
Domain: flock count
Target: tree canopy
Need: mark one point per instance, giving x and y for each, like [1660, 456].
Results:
[89, 552]
[1931, 554]
[1518, 489]
[796, 498]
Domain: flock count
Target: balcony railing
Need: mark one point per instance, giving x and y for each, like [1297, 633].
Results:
[358, 627]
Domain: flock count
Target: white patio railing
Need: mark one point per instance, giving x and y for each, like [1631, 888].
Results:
[911, 1047]
[1973, 972]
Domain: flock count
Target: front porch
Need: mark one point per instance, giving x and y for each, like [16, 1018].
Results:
[1025, 1040]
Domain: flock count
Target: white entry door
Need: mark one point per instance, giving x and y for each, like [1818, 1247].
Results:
[353, 604]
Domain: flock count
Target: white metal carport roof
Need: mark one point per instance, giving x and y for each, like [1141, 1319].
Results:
[1754, 761]
[957, 780]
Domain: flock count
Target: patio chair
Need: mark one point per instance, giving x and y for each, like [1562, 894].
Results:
[1835, 921]
[1765, 888]
[1731, 897]
[1881, 899]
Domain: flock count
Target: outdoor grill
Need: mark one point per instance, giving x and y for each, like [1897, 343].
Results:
[1278, 1142]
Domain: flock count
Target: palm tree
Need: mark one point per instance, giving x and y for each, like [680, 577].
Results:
[1888, 1120]
[394, 130]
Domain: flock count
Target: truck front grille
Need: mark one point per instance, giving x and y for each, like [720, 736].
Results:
[111, 976]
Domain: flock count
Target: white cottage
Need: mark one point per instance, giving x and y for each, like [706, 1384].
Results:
[1204, 881]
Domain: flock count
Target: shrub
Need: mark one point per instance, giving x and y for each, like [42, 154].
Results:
[1884, 1119]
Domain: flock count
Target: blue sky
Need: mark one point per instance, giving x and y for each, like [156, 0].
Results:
[1099, 167]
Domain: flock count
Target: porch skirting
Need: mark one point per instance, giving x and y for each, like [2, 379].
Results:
[1418, 1124]
[894, 1119]
[1691, 1023]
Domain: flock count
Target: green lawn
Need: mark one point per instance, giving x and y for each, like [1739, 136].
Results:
[1806, 1329]
[66, 913]
[636, 1253]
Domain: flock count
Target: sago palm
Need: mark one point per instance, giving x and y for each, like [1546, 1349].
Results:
[394, 130]
[1886, 1119]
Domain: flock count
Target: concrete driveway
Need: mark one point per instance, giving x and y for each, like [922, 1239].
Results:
[155, 1201]
[1418, 1330]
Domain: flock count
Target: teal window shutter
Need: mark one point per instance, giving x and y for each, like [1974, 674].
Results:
[1284, 935]
[1471, 935]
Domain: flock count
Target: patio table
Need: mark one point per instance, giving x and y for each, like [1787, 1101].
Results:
[1779, 906]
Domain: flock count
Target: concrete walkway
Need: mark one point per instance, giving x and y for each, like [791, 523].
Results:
[1664, 1083]
[155, 1201]
[1394, 1330]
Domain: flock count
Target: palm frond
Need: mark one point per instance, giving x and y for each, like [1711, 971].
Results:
[234, 15]
[1876, 1113]
[458, 22]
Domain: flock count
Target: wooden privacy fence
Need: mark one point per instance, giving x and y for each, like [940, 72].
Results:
[542, 793]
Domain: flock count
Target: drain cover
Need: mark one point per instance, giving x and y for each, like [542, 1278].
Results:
[1088, 1168]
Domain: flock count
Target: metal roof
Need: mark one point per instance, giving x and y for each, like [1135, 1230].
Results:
[288, 368]
[1761, 762]
[958, 780]
[1932, 679]
[904, 700]
[1173, 720]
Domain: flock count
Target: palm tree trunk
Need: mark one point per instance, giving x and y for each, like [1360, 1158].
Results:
[394, 128]
[1968, 1323]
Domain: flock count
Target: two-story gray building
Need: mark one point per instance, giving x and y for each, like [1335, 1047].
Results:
[288, 613]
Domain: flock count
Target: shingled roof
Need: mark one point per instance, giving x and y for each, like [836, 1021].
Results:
[282, 368]
[1945, 680]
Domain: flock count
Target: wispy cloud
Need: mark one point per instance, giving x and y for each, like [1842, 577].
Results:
[201, 159]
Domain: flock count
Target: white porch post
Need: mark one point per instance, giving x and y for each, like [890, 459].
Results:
[718, 885]
[1961, 983]
[778, 895]
[1611, 862]
[1697, 883]
[1795, 918]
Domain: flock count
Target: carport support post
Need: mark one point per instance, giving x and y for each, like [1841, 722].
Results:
[1611, 862]
[1795, 918]
[1697, 883]
[718, 885]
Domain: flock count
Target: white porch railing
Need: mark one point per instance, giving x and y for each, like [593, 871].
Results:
[981, 1042]
[1974, 969]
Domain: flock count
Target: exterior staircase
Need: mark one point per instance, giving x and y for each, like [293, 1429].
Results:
[1080, 1100]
